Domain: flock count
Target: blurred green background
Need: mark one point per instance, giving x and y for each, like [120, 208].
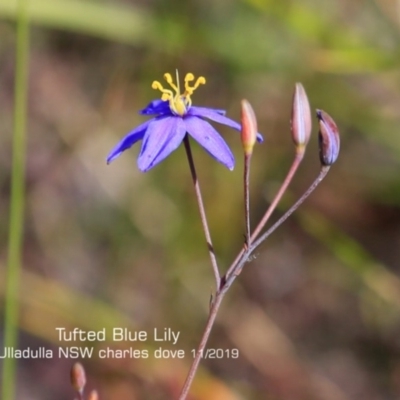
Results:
[317, 314]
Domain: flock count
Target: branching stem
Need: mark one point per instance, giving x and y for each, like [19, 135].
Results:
[240, 261]
[295, 165]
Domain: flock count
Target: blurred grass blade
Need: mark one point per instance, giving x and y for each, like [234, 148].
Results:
[118, 23]
[17, 199]
[374, 275]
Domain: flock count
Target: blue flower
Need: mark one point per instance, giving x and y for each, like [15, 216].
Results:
[174, 117]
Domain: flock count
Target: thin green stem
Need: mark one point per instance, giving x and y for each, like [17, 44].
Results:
[324, 170]
[202, 212]
[295, 165]
[241, 259]
[17, 200]
[215, 305]
[293, 169]
[244, 255]
[246, 180]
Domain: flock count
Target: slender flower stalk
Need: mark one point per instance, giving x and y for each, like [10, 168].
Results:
[17, 200]
[249, 138]
[289, 177]
[324, 170]
[292, 171]
[246, 189]
[203, 216]
[301, 130]
[215, 305]
[242, 258]
[329, 146]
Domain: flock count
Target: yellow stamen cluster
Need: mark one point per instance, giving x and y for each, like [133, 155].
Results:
[179, 103]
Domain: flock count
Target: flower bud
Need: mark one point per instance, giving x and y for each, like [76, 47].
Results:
[301, 117]
[328, 139]
[93, 395]
[78, 377]
[249, 127]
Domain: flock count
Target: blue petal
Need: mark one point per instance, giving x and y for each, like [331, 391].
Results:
[198, 110]
[216, 116]
[128, 141]
[211, 114]
[162, 137]
[210, 139]
[156, 107]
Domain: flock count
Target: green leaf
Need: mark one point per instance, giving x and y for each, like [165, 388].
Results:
[118, 23]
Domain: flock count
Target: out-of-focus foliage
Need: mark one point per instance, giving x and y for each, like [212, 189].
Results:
[316, 314]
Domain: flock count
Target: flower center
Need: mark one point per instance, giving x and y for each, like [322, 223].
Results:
[178, 103]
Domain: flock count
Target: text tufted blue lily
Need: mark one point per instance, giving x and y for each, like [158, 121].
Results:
[174, 117]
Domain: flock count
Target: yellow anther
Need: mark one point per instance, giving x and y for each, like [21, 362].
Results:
[190, 89]
[180, 103]
[166, 93]
[188, 78]
[157, 85]
[168, 78]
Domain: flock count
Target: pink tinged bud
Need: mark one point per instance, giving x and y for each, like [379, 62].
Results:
[328, 138]
[301, 117]
[249, 127]
[93, 395]
[78, 377]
